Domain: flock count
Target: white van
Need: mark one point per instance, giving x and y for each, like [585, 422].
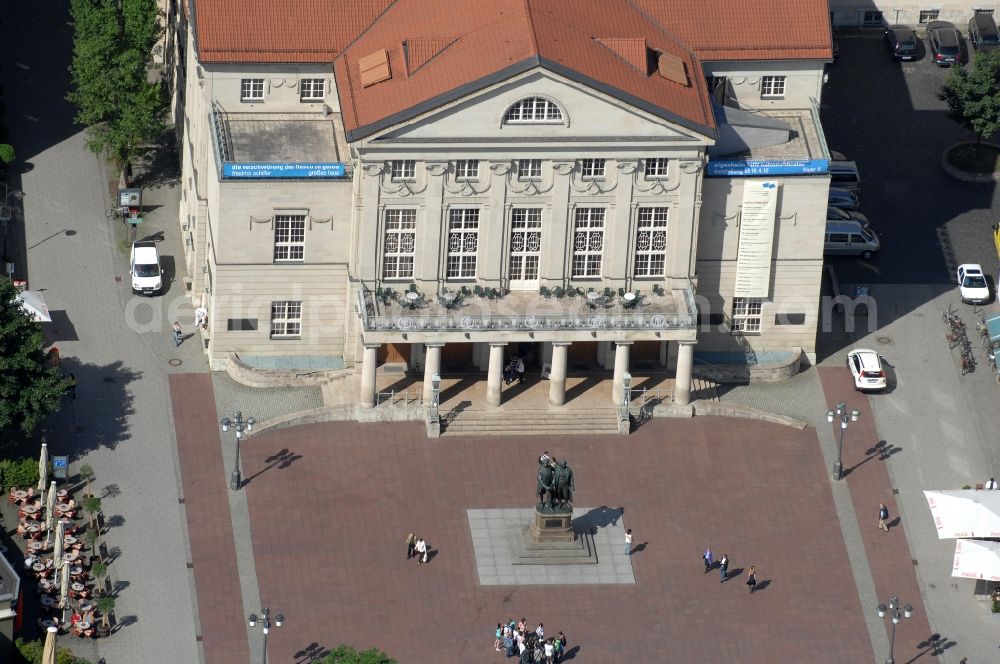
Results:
[849, 238]
[147, 275]
[845, 175]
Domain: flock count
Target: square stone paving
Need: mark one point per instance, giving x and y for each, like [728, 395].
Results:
[329, 529]
[491, 531]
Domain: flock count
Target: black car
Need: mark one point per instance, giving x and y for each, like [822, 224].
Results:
[902, 42]
[983, 32]
[946, 43]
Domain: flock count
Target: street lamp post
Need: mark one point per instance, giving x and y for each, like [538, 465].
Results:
[239, 424]
[893, 611]
[841, 412]
[265, 626]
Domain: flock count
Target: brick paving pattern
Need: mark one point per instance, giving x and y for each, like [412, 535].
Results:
[868, 479]
[213, 552]
[328, 528]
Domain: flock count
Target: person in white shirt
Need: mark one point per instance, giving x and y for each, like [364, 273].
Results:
[540, 631]
[421, 548]
[200, 317]
[550, 650]
[519, 370]
[992, 484]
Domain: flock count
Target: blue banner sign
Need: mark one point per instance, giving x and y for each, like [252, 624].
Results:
[267, 170]
[765, 167]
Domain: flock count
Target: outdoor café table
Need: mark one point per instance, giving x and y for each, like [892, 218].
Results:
[36, 546]
[76, 570]
[47, 600]
[82, 625]
[78, 587]
[62, 494]
[69, 539]
[63, 508]
[20, 495]
[38, 567]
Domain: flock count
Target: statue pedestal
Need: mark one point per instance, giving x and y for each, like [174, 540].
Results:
[550, 540]
[552, 527]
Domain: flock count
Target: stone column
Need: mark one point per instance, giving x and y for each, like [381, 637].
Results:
[495, 373]
[557, 375]
[369, 363]
[621, 368]
[432, 365]
[682, 381]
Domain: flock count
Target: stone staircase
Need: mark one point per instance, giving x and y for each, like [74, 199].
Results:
[522, 422]
[703, 389]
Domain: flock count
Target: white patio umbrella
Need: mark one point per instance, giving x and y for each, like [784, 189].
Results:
[50, 508]
[64, 586]
[49, 651]
[965, 513]
[57, 554]
[977, 559]
[43, 467]
[34, 304]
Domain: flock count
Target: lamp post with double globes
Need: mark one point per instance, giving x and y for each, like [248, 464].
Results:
[893, 611]
[239, 424]
[841, 412]
[265, 626]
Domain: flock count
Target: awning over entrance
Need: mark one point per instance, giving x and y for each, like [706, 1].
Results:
[965, 513]
[602, 315]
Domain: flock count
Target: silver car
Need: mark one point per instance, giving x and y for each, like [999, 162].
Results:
[843, 199]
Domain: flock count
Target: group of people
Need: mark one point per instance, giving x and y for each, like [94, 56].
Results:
[514, 370]
[514, 639]
[416, 547]
[708, 557]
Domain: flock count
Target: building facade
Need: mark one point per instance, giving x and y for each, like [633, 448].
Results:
[403, 188]
[880, 13]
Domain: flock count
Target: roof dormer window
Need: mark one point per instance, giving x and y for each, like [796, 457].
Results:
[533, 109]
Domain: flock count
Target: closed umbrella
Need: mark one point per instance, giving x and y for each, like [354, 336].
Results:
[49, 651]
[58, 552]
[64, 586]
[50, 508]
[43, 467]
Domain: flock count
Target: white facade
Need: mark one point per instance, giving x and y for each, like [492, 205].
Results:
[879, 13]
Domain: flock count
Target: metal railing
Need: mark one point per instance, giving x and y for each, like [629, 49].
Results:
[394, 398]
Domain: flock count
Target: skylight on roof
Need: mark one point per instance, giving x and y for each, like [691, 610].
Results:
[375, 68]
[672, 68]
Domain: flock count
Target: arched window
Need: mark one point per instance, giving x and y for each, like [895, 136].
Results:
[533, 109]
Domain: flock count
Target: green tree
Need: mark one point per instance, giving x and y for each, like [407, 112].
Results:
[29, 387]
[347, 655]
[973, 95]
[112, 51]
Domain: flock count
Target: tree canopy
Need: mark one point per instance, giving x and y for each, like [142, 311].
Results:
[29, 387]
[347, 655]
[112, 51]
[973, 94]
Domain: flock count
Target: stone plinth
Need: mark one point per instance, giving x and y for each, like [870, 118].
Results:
[552, 527]
[550, 540]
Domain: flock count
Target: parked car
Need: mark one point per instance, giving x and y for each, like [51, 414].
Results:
[983, 33]
[844, 175]
[866, 368]
[840, 214]
[843, 199]
[849, 238]
[902, 42]
[147, 275]
[946, 43]
[972, 284]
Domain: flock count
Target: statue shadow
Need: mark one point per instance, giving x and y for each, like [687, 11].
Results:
[597, 518]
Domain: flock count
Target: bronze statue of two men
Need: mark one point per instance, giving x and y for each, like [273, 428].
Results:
[555, 486]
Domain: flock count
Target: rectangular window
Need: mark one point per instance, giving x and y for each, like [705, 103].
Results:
[747, 315]
[403, 169]
[289, 237]
[466, 170]
[772, 86]
[873, 19]
[286, 319]
[463, 242]
[529, 169]
[988, 12]
[656, 168]
[399, 245]
[588, 242]
[312, 89]
[241, 324]
[926, 16]
[592, 169]
[252, 89]
[651, 242]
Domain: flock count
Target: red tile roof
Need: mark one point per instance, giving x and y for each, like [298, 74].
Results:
[280, 30]
[443, 49]
[507, 37]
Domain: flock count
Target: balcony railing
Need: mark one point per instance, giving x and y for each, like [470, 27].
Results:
[529, 312]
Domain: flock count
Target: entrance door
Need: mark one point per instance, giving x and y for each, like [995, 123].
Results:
[394, 354]
[525, 248]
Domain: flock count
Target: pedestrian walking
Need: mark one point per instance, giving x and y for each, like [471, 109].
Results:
[499, 639]
[707, 558]
[628, 542]
[723, 567]
[411, 544]
[560, 646]
[550, 651]
[752, 578]
[992, 484]
[71, 384]
[201, 317]
[177, 334]
[540, 631]
[883, 515]
[421, 549]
